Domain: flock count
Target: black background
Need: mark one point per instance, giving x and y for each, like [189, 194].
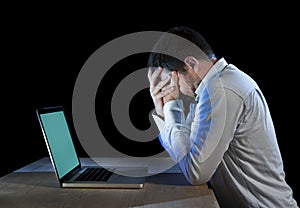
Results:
[44, 49]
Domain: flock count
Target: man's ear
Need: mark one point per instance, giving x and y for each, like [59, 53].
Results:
[191, 61]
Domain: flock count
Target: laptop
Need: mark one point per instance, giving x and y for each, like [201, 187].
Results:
[66, 163]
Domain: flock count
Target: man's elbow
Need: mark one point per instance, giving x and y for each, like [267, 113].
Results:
[196, 174]
[196, 180]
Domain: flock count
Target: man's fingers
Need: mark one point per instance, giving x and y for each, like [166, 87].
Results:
[150, 72]
[174, 81]
[153, 77]
[174, 78]
[160, 85]
[165, 92]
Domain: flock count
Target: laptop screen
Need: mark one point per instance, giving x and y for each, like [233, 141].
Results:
[60, 142]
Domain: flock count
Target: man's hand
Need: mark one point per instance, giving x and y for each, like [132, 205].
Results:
[174, 84]
[159, 88]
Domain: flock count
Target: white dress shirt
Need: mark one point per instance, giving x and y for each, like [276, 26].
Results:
[227, 139]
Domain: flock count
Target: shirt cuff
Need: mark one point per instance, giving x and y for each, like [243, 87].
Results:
[174, 112]
[159, 121]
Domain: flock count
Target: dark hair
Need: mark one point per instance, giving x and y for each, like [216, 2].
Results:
[179, 50]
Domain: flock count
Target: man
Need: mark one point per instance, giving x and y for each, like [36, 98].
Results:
[226, 137]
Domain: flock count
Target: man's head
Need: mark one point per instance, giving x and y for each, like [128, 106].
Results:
[191, 65]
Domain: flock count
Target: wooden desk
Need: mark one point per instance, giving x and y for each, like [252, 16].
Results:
[33, 186]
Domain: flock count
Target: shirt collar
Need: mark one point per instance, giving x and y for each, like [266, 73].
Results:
[216, 68]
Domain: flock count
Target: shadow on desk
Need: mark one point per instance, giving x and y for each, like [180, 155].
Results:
[171, 179]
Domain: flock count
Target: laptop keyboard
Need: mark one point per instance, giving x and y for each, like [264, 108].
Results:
[94, 174]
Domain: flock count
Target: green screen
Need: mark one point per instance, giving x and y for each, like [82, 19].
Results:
[60, 142]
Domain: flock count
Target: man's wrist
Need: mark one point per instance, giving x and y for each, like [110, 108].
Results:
[168, 99]
[159, 112]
